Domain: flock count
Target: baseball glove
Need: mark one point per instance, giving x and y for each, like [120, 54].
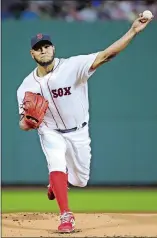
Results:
[34, 106]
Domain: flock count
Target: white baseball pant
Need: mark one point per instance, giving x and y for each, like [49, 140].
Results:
[68, 151]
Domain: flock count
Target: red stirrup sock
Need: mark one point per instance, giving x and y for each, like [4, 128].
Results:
[58, 183]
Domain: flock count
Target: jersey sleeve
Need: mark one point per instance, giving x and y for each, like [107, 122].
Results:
[84, 64]
[20, 98]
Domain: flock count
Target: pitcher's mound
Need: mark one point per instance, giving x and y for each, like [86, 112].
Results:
[87, 225]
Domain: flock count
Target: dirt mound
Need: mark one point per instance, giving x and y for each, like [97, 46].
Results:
[87, 225]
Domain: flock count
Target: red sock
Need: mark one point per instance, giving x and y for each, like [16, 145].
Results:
[58, 183]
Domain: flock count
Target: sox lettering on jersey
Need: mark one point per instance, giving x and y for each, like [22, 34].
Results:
[61, 92]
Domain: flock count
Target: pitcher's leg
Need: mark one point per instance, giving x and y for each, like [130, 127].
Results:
[54, 147]
[78, 174]
[78, 157]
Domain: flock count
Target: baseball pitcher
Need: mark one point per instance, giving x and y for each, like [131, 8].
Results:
[53, 99]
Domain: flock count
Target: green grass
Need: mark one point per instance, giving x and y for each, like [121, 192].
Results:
[82, 200]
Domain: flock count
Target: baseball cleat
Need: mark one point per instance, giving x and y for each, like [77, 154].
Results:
[67, 223]
[50, 193]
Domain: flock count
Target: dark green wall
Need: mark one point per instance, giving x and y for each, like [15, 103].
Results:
[123, 102]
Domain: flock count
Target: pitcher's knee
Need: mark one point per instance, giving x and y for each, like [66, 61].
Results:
[83, 183]
[79, 183]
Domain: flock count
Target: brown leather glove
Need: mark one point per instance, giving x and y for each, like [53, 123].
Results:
[34, 106]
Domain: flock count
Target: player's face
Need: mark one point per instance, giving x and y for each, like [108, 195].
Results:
[43, 53]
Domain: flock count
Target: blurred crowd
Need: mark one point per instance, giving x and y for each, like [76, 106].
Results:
[76, 10]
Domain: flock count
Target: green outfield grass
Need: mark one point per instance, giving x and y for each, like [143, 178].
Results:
[82, 200]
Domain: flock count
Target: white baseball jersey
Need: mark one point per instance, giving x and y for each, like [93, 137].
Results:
[65, 87]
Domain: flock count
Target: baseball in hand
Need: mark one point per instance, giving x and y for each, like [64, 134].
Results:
[147, 14]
